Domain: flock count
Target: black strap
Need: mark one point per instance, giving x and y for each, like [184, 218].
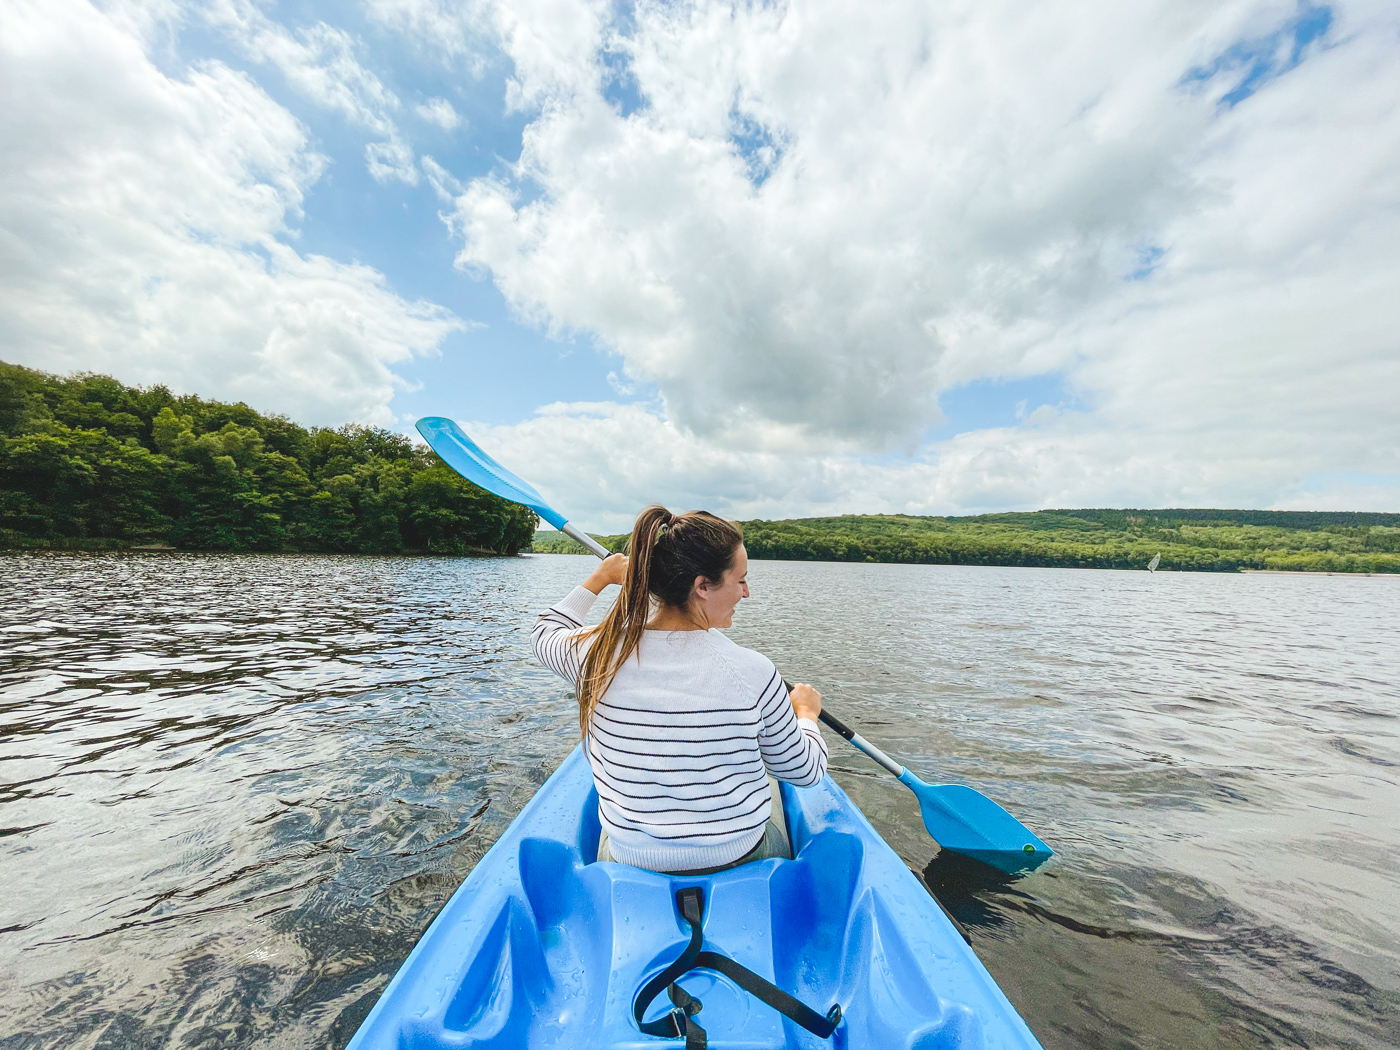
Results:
[681, 1020]
[691, 904]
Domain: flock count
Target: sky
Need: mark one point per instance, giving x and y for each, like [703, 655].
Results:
[773, 260]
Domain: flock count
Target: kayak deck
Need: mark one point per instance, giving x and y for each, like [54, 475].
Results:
[543, 947]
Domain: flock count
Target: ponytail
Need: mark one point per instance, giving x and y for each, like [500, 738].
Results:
[666, 552]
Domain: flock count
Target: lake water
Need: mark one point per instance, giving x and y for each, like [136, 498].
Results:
[234, 790]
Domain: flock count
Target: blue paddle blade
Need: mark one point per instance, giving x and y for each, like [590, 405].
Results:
[461, 453]
[968, 822]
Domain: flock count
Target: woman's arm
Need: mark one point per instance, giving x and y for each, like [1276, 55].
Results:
[612, 569]
[793, 750]
[557, 626]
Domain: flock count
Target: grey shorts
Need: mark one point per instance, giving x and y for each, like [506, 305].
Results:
[774, 842]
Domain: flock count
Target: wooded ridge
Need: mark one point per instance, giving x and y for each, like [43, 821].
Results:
[89, 463]
[1193, 540]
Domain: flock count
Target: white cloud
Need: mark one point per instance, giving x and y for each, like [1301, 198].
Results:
[440, 112]
[141, 217]
[1347, 491]
[146, 19]
[455, 29]
[444, 183]
[901, 242]
[319, 62]
[599, 463]
[802, 223]
[391, 160]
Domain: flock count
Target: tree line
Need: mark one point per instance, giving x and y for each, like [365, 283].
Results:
[88, 462]
[1187, 540]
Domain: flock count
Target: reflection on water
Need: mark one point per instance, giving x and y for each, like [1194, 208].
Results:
[233, 790]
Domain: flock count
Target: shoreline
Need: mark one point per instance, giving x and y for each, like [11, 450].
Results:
[995, 565]
[1319, 572]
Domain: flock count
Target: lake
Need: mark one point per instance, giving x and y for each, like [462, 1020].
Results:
[235, 789]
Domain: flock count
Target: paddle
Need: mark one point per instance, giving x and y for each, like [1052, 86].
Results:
[959, 819]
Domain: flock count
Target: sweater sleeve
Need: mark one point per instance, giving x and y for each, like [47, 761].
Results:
[793, 748]
[555, 630]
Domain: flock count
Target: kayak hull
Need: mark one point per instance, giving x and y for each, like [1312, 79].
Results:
[543, 947]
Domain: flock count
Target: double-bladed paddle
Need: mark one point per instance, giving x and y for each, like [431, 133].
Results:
[959, 819]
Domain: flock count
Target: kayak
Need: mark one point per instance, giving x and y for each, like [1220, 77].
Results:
[542, 946]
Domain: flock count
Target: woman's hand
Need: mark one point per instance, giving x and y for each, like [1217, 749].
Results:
[806, 701]
[612, 569]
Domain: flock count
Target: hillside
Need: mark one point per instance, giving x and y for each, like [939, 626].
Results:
[1189, 540]
[89, 463]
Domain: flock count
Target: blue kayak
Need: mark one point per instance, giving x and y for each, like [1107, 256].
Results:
[542, 946]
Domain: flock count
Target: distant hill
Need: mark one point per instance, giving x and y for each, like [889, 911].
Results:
[1199, 540]
[89, 463]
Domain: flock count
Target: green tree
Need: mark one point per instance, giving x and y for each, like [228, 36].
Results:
[85, 459]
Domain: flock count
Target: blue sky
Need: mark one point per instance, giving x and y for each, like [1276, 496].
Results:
[775, 260]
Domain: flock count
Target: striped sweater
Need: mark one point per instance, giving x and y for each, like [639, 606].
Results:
[683, 740]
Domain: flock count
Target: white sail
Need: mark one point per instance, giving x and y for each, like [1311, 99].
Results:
[1156, 561]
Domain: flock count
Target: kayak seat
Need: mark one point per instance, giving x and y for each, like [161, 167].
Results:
[543, 947]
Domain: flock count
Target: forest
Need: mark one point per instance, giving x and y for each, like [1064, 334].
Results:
[89, 463]
[1187, 540]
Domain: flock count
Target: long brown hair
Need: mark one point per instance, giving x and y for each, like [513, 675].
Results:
[666, 552]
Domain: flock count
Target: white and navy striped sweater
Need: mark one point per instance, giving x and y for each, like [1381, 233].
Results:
[683, 740]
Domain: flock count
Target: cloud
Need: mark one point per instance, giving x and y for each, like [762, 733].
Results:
[142, 217]
[444, 183]
[800, 225]
[391, 160]
[451, 28]
[810, 225]
[1344, 490]
[601, 462]
[319, 62]
[440, 112]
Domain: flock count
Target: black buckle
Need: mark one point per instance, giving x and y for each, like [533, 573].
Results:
[677, 1017]
[691, 901]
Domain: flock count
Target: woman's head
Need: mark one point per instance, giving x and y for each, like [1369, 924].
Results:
[682, 559]
[693, 563]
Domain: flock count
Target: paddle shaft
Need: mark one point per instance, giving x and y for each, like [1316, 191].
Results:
[588, 541]
[891, 766]
[856, 740]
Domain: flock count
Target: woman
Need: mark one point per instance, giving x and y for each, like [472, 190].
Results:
[681, 726]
